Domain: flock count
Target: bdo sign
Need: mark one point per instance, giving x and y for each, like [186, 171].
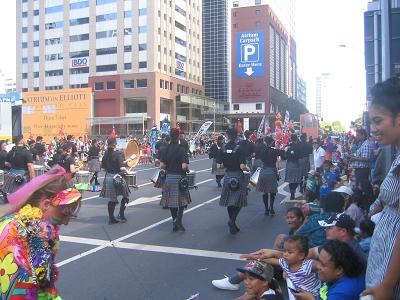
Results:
[80, 62]
[250, 54]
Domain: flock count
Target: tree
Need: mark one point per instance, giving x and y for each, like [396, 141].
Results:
[338, 127]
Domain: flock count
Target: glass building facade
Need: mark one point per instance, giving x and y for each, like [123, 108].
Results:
[215, 49]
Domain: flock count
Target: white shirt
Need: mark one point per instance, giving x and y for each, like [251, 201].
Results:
[319, 157]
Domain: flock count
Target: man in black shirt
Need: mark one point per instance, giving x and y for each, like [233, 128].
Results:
[175, 195]
[248, 148]
[113, 164]
[182, 141]
[3, 155]
[40, 149]
[70, 141]
[213, 154]
[20, 162]
[234, 189]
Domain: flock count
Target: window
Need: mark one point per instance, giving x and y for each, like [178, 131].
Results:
[106, 34]
[79, 37]
[127, 66]
[129, 84]
[53, 25]
[56, 56]
[127, 14]
[35, 43]
[128, 48]
[101, 2]
[258, 12]
[171, 86]
[24, 14]
[258, 23]
[142, 29]
[142, 47]
[161, 84]
[180, 57]
[110, 85]
[236, 25]
[235, 14]
[167, 85]
[83, 70]
[54, 9]
[106, 17]
[235, 106]
[136, 106]
[36, 59]
[79, 21]
[106, 68]
[52, 73]
[77, 54]
[35, 27]
[180, 10]
[25, 89]
[180, 73]
[257, 2]
[99, 86]
[35, 74]
[35, 89]
[142, 64]
[106, 51]
[258, 106]
[141, 83]
[128, 31]
[36, 12]
[24, 60]
[78, 5]
[24, 29]
[142, 11]
[24, 45]
[180, 26]
[24, 75]
[180, 41]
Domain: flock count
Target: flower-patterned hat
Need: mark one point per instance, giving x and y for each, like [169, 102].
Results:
[65, 197]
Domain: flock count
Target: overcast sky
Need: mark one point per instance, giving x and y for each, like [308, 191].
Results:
[321, 26]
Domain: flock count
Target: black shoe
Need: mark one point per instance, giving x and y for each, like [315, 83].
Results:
[232, 228]
[272, 212]
[237, 228]
[219, 184]
[122, 219]
[292, 197]
[180, 228]
[266, 212]
[113, 221]
[174, 226]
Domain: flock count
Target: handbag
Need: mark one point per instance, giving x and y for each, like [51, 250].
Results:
[255, 176]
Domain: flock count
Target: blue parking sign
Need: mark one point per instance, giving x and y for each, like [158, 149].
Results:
[250, 54]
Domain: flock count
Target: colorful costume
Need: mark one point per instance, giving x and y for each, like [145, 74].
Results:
[28, 247]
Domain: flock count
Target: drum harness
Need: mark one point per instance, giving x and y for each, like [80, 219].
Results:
[234, 183]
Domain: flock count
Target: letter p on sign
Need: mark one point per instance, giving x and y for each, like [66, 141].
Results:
[249, 53]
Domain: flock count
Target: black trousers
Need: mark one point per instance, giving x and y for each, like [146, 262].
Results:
[362, 179]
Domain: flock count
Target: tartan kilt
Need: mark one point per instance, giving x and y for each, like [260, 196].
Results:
[217, 171]
[10, 186]
[293, 172]
[94, 165]
[172, 196]
[109, 191]
[234, 198]
[304, 163]
[267, 181]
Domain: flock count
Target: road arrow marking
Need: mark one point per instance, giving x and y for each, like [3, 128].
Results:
[249, 71]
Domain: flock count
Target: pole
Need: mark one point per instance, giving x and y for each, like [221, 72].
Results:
[214, 117]
[142, 123]
[385, 33]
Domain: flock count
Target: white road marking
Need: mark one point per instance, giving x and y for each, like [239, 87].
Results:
[153, 248]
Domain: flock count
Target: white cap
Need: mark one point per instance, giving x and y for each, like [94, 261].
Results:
[344, 189]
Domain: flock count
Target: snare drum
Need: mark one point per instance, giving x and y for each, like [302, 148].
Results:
[131, 179]
[39, 170]
[247, 176]
[1, 177]
[82, 177]
[191, 176]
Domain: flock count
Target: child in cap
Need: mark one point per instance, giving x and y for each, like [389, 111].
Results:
[259, 281]
[299, 270]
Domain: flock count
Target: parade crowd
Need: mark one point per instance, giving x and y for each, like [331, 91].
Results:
[343, 212]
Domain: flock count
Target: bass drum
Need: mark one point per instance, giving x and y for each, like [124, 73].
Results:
[132, 154]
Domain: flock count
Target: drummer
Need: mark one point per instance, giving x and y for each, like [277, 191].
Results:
[113, 164]
[268, 178]
[20, 162]
[175, 161]
[67, 160]
[213, 153]
[234, 189]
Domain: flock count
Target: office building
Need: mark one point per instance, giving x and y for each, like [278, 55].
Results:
[145, 53]
[323, 95]
[216, 48]
[375, 71]
[301, 94]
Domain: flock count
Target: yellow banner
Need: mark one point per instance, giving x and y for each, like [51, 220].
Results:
[56, 113]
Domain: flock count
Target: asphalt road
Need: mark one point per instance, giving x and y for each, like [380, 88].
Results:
[144, 259]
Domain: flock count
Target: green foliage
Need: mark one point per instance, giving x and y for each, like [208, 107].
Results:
[335, 126]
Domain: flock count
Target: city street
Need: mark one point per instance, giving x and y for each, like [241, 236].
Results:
[144, 259]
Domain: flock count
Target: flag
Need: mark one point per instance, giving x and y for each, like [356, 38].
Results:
[239, 126]
[113, 134]
[203, 129]
[260, 128]
[287, 118]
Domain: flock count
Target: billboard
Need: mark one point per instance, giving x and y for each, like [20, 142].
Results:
[250, 54]
[5, 121]
[48, 113]
[80, 62]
